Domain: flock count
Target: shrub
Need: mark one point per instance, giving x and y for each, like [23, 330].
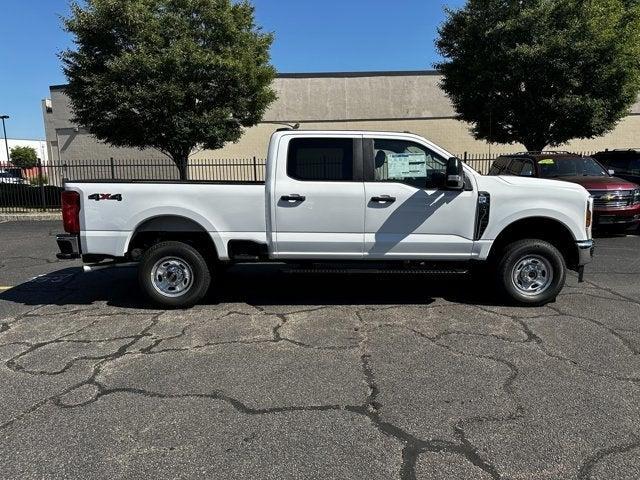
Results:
[24, 157]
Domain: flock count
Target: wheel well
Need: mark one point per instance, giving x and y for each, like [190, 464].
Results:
[549, 230]
[171, 228]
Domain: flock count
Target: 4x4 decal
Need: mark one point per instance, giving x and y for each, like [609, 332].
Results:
[105, 196]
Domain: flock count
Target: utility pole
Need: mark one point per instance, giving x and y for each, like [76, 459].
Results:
[4, 129]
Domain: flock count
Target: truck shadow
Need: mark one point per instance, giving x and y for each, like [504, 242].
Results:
[407, 218]
[264, 285]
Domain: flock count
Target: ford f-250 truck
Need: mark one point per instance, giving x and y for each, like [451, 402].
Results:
[337, 200]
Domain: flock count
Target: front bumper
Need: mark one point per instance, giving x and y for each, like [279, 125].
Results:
[69, 246]
[586, 250]
[627, 216]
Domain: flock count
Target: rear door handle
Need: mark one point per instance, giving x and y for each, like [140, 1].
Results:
[293, 198]
[383, 199]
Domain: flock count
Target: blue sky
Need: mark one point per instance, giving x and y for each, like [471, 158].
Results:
[311, 36]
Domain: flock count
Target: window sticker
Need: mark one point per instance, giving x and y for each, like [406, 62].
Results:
[547, 161]
[407, 165]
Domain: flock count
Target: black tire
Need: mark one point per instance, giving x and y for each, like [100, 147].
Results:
[195, 279]
[538, 256]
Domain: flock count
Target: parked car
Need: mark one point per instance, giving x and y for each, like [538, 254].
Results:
[616, 201]
[336, 201]
[622, 163]
[10, 177]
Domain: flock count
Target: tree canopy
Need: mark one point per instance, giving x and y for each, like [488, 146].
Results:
[541, 72]
[24, 157]
[174, 75]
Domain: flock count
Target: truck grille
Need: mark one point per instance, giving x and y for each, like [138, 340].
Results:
[612, 199]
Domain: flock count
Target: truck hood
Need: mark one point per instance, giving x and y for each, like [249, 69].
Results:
[540, 183]
[601, 183]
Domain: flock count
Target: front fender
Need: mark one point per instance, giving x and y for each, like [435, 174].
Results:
[496, 228]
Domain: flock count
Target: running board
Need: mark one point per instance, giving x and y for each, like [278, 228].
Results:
[385, 271]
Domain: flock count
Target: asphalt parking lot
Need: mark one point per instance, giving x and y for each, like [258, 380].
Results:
[314, 377]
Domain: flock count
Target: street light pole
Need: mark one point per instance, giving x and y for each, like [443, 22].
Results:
[4, 129]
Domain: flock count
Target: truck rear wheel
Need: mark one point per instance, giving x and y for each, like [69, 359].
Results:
[531, 272]
[174, 275]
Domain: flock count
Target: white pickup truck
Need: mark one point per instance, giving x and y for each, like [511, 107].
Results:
[337, 200]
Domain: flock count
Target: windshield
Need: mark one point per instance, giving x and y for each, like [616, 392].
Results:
[571, 167]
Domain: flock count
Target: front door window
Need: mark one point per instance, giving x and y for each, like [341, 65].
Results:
[402, 161]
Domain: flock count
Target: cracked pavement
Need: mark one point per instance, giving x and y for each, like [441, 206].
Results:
[315, 377]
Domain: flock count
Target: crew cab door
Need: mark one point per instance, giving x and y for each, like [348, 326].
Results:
[318, 198]
[407, 215]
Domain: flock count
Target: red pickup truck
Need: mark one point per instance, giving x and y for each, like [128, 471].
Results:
[616, 201]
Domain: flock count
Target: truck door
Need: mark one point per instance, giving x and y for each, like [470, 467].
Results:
[318, 198]
[407, 216]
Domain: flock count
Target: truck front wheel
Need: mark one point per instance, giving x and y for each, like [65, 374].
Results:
[174, 275]
[531, 272]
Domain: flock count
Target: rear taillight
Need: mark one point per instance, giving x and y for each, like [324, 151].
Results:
[71, 211]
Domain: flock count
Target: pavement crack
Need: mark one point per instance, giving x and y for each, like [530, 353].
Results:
[214, 395]
[588, 465]
[624, 341]
[534, 339]
[413, 446]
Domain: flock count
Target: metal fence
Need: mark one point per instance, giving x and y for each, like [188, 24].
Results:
[38, 188]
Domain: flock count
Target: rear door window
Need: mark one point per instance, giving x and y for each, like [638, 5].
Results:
[515, 168]
[321, 159]
[528, 169]
[499, 166]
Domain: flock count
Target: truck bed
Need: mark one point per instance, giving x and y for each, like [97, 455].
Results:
[227, 210]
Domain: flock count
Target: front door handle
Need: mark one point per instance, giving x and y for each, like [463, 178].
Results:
[383, 199]
[293, 198]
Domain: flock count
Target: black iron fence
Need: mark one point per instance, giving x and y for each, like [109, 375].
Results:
[38, 188]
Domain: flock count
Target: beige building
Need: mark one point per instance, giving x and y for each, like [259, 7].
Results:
[395, 101]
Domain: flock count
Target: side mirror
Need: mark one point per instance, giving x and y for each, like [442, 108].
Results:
[455, 174]
[612, 172]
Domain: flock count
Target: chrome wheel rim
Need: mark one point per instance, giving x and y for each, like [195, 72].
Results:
[172, 277]
[532, 275]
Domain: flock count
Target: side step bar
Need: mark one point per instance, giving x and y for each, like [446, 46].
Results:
[379, 271]
[103, 266]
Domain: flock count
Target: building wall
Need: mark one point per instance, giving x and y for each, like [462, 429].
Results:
[391, 101]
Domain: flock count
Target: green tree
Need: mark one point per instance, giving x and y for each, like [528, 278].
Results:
[24, 157]
[174, 75]
[541, 72]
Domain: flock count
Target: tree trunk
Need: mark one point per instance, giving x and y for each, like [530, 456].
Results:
[182, 162]
[534, 145]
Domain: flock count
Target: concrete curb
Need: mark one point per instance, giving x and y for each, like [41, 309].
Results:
[30, 217]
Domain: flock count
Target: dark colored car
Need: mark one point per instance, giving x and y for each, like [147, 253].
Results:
[622, 163]
[616, 201]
